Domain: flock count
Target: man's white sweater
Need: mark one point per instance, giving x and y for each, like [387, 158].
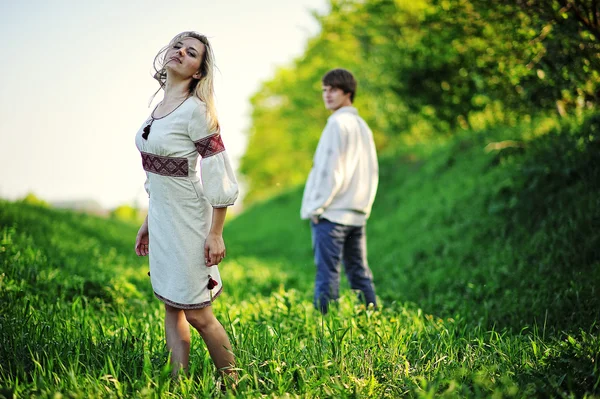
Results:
[343, 181]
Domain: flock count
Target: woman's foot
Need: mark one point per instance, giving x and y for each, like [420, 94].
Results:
[229, 381]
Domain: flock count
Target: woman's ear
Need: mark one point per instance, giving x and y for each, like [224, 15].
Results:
[197, 75]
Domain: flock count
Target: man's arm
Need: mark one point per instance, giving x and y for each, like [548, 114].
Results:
[327, 175]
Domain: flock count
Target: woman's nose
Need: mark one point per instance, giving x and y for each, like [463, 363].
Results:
[181, 51]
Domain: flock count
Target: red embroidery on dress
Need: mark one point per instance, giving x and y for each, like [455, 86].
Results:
[189, 306]
[165, 166]
[210, 145]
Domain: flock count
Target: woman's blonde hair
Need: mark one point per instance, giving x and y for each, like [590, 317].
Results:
[202, 88]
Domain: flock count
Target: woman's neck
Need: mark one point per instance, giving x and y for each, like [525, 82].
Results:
[176, 90]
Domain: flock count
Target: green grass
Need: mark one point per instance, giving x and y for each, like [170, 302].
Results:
[486, 264]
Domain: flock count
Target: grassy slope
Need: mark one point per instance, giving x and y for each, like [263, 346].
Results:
[500, 249]
[503, 238]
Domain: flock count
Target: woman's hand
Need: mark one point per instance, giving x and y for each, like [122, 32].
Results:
[214, 249]
[142, 240]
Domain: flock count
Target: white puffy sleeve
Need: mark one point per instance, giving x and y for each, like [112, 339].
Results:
[218, 179]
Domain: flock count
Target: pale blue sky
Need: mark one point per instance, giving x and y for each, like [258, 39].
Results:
[76, 84]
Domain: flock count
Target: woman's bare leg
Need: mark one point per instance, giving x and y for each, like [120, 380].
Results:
[178, 338]
[214, 337]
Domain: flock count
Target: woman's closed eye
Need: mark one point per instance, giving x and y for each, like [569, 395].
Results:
[190, 52]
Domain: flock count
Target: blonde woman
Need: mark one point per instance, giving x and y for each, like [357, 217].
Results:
[183, 231]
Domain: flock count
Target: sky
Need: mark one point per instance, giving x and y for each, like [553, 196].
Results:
[76, 84]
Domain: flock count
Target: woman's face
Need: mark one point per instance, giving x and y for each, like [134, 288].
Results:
[184, 57]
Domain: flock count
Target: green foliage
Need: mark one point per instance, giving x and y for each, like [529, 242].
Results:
[486, 263]
[127, 213]
[555, 50]
[494, 228]
[426, 69]
[488, 214]
[33, 199]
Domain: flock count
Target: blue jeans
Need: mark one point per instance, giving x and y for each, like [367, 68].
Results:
[333, 243]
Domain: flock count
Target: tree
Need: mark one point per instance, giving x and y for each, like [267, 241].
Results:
[33, 199]
[425, 69]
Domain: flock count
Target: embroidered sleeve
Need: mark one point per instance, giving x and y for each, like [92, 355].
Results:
[218, 179]
[210, 145]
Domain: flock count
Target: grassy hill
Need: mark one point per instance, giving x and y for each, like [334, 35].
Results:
[500, 227]
[486, 256]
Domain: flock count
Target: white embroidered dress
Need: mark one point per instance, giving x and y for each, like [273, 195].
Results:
[181, 203]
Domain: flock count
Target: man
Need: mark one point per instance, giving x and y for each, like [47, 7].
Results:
[339, 194]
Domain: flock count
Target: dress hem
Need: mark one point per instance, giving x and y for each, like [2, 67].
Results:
[186, 306]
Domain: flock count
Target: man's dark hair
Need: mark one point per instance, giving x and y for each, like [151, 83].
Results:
[342, 79]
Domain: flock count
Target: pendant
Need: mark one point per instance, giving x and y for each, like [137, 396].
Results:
[147, 130]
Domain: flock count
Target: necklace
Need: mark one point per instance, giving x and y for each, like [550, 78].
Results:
[152, 118]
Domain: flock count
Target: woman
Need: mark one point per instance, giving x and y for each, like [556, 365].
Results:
[183, 230]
